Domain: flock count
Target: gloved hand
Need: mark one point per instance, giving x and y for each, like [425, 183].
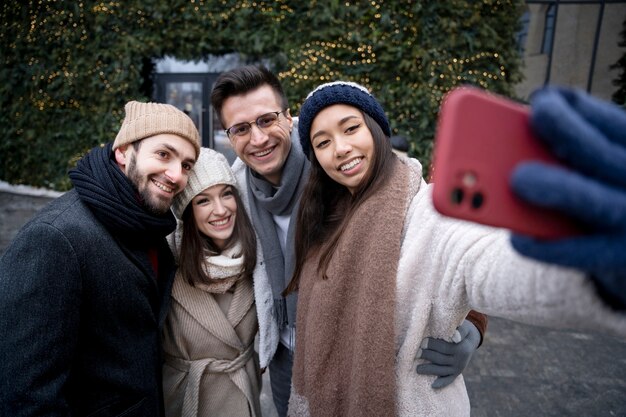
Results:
[589, 135]
[448, 359]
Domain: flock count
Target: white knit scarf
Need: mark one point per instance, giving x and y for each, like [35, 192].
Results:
[223, 269]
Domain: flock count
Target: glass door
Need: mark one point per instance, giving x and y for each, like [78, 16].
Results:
[190, 93]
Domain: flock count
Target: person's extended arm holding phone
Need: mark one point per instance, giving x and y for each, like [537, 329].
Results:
[589, 135]
[554, 173]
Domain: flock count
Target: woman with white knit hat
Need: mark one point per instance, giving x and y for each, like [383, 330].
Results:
[210, 366]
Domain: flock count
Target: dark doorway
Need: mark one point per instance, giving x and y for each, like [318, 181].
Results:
[190, 93]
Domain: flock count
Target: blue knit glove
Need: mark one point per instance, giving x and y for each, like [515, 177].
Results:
[448, 359]
[589, 135]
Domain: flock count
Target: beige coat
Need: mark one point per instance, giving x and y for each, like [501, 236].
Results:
[210, 367]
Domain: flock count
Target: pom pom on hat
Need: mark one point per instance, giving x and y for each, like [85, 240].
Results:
[338, 92]
[210, 169]
[149, 119]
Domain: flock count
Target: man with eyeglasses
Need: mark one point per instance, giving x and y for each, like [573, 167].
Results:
[272, 169]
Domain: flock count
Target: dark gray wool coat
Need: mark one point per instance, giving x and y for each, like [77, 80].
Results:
[80, 318]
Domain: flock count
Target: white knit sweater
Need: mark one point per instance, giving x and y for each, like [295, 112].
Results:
[448, 267]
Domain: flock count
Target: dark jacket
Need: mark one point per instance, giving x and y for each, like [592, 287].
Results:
[80, 318]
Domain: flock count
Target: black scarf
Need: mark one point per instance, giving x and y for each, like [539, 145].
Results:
[115, 201]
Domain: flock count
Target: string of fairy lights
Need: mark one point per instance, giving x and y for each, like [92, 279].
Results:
[321, 55]
[319, 62]
[323, 60]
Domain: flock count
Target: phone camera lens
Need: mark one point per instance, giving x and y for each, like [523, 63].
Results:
[456, 196]
[469, 179]
[477, 200]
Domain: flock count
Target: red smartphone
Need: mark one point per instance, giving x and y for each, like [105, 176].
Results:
[480, 139]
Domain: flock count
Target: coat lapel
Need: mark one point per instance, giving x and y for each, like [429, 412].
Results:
[205, 310]
[241, 302]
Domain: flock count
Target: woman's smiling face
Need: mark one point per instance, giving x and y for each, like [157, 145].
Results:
[214, 210]
[343, 144]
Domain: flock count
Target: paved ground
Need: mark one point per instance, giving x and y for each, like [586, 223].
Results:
[519, 371]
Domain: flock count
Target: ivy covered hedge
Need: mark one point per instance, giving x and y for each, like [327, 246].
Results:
[69, 67]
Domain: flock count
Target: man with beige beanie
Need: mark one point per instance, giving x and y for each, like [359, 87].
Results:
[85, 285]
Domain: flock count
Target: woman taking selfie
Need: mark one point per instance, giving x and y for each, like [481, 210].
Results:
[377, 269]
[210, 367]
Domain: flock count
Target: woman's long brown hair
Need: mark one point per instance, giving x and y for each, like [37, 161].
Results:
[326, 206]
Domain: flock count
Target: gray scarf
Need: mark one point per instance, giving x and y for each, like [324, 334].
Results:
[266, 201]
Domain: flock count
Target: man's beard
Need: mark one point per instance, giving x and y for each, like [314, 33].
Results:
[151, 203]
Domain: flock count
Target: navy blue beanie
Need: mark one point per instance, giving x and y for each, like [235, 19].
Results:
[338, 92]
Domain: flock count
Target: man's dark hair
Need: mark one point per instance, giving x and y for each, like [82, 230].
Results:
[242, 80]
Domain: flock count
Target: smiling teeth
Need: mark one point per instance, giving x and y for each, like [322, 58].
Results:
[263, 153]
[162, 187]
[350, 165]
[219, 222]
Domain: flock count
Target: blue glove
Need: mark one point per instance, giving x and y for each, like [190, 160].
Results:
[589, 135]
[448, 359]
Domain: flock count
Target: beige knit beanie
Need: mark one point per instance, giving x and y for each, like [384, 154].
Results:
[148, 119]
[210, 169]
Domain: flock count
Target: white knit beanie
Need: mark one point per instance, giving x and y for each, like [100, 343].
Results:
[149, 119]
[210, 169]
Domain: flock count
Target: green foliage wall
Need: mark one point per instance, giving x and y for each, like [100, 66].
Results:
[69, 67]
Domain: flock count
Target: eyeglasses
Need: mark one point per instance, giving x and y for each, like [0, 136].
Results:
[264, 121]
